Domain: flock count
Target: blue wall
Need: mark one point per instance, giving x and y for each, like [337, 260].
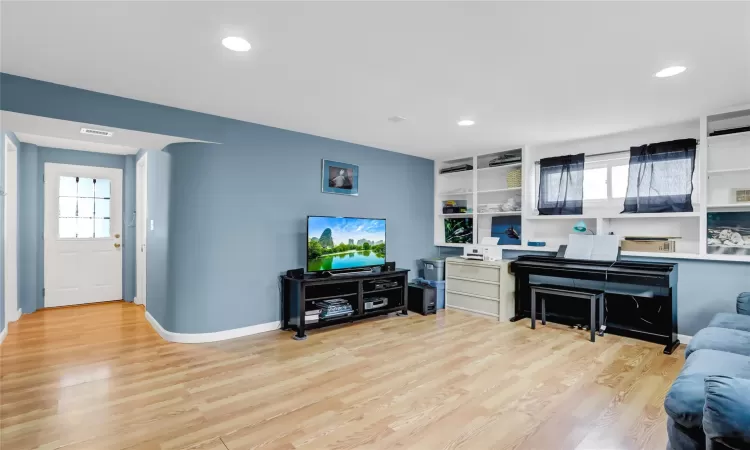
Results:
[229, 218]
[31, 216]
[13, 139]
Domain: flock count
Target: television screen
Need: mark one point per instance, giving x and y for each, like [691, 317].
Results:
[339, 243]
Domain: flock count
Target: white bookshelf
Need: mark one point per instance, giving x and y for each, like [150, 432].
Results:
[722, 164]
[483, 185]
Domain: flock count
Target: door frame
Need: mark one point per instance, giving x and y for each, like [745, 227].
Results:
[141, 229]
[116, 176]
[10, 192]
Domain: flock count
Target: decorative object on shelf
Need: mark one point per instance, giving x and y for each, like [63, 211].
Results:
[513, 178]
[455, 207]
[507, 229]
[729, 233]
[649, 244]
[459, 231]
[537, 244]
[741, 195]
[580, 227]
[459, 168]
[511, 205]
[340, 178]
[505, 159]
[660, 177]
[561, 185]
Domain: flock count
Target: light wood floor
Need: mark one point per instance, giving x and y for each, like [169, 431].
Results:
[98, 377]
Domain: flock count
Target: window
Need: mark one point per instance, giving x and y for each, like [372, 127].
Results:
[84, 208]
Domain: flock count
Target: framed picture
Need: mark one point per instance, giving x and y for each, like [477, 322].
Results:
[507, 229]
[340, 178]
[729, 233]
[459, 231]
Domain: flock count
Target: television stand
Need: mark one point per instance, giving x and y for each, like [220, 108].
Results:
[358, 288]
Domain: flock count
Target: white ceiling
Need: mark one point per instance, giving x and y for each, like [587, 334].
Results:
[55, 133]
[526, 72]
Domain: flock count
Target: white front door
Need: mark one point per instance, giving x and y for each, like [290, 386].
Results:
[11, 231]
[141, 216]
[82, 234]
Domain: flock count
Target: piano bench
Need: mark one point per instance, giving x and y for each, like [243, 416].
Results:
[594, 295]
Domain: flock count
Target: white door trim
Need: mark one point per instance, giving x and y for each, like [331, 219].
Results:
[10, 191]
[141, 228]
[71, 276]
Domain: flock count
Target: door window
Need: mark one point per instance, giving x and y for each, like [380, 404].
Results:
[84, 208]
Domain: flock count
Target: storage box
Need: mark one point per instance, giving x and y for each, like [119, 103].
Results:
[434, 269]
[648, 246]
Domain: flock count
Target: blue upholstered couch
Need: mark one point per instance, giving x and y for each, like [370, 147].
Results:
[709, 403]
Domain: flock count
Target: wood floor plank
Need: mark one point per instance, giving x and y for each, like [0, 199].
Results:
[99, 377]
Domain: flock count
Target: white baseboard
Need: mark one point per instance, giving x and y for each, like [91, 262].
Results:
[3, 333]
[19, 313]
[684, 338]
[197, 338]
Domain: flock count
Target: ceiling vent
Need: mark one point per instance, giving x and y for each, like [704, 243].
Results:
[94, 132]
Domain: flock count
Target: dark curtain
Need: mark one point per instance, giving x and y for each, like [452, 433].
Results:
[561, 185]
[660, 178]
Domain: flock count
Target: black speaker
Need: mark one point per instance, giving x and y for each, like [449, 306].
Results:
[296, 273]
[422, 299]
[389, 267]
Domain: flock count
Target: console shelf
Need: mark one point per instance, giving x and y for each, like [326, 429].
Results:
[298, 293]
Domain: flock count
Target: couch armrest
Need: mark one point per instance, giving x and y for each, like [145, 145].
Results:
[726, 414]
[743, 303]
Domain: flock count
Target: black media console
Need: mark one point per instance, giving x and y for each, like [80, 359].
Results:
[358, 288]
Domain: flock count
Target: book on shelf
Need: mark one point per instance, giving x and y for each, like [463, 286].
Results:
[313, 312]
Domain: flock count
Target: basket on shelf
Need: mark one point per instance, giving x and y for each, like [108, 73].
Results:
[514, 178]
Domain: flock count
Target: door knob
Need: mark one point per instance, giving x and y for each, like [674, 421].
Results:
[117, 236]
[117, 245]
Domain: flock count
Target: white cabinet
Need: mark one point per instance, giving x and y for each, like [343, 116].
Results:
[482, 287]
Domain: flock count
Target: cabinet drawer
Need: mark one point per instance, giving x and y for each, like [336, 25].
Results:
[474, 287]
[474, 304]
[474, 272]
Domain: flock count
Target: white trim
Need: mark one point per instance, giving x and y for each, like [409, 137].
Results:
[3, 334]
[18, 315]
[684, 338]
[197, 338]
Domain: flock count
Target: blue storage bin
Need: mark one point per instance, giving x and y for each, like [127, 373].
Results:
[439, 285]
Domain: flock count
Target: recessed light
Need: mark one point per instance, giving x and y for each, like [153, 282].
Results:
[670, 71]
[236, 43]
[465, 123]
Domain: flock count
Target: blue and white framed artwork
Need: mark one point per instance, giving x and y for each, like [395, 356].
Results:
[340, 178]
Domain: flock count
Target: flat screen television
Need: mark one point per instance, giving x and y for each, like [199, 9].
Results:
[344, 243]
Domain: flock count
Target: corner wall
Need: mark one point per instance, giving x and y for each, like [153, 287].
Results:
[3, 262]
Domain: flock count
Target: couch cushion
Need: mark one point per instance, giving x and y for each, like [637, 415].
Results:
[731, 321]
[724, 339]
[726, 416]
[743, 303]
[686, 397]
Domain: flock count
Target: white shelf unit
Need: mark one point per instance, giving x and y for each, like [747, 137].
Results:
[480, 186]
[722, 164]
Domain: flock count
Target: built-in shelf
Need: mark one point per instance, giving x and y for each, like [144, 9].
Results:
[500, 213]
[506, 166]
[730, 206]
[619, 216]
[450, 194]
[447, 244]
[720, 137]
[499, 190]
[329, 297]
[738, 169]
[378, 291]
[457, 172]
[458, 215]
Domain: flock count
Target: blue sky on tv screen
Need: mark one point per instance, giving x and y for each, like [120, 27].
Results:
[344, 228]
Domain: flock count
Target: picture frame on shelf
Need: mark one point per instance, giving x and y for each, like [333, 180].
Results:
[741, 195]
[729, 233]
